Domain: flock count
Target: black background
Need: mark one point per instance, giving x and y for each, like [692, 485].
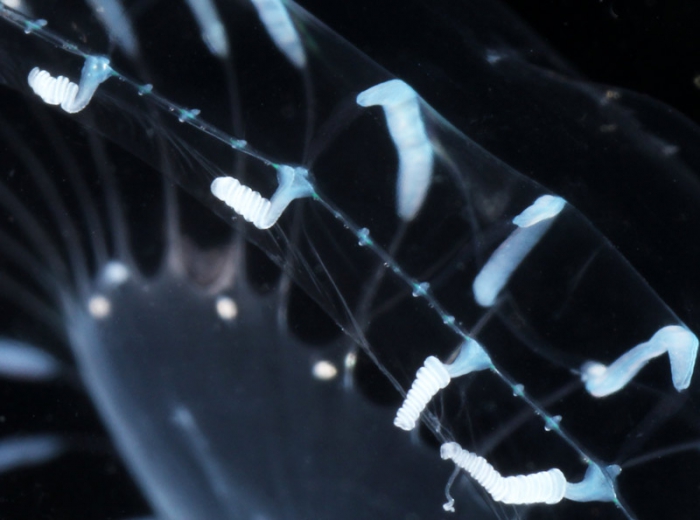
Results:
[648, 46]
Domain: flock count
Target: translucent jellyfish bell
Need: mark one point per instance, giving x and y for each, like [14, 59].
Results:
[418, 228]
[183, 338]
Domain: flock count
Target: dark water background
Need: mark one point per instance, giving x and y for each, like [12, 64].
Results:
[649, 47]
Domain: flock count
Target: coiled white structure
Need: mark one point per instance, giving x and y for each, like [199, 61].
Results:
[256, 209]
[434, 375]
[430, 379]
[545, 487]
[62, 91]
[246, 202]
[54, 91]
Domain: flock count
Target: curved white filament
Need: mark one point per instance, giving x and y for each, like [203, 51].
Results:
[532, 224]
[401, 106]
[678, 341]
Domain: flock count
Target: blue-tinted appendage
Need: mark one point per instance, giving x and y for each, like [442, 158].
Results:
[545, 207]
[532, 224]
[95, 71]
[111, 14]
[274, 16]
[679, 342]
[596, 486]
[403, 117]
[21, 452]
[293, 184]
[25, 362]
[471, 358]
[682, 351]
[210, 25]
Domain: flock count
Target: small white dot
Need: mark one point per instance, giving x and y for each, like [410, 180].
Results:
[115, 273]
[226, 308]
[324, 370]
[99, 306]
[350, 361]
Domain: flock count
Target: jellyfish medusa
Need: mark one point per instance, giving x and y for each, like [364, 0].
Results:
[440, 211]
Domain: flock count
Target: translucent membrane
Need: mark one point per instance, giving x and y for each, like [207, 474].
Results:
[421, 232]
